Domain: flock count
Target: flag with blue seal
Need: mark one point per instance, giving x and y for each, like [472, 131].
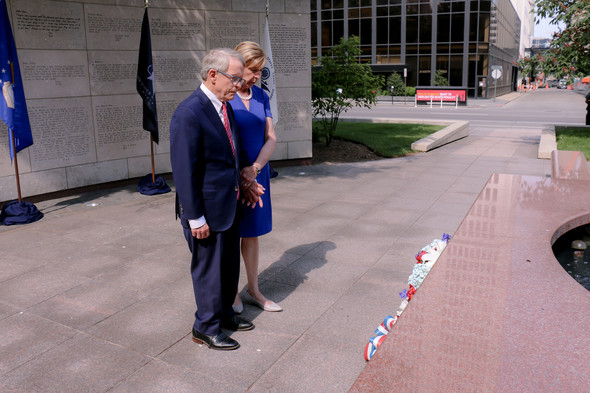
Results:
[13, 107]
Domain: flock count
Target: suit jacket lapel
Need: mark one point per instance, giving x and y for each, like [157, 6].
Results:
[213, 116]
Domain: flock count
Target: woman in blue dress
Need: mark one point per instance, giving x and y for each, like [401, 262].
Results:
[251, 108]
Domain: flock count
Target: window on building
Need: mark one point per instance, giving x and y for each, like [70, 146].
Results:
[444, 25]
[412, 29]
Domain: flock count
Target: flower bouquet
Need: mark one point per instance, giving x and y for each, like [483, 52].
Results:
[425, 260]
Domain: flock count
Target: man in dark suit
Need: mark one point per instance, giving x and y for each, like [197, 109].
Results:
[205, 157]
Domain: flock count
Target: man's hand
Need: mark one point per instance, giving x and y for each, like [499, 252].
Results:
[201, 232]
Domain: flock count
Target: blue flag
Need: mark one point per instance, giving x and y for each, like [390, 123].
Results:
[145, 79]
[13, 107]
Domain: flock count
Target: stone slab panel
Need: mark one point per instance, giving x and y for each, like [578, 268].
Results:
[289, 39]
[141, 166]
[167, 104]
[281, 151]
[62, 132]
[32, 183]
[158, 376]
[227, 29]
[25, 336]
[113, 28]
[297, 6]
[177, 29]
[54, 73]
[6, 166]
[118, 127]
[188, 4]
[38, 285]
[82, 364]
[6, 310]
[100, 172]
[301, 149]
[294, 123]
[177, 70]
[46, 24]
[42, 182]
[259, 6]
[112, 72]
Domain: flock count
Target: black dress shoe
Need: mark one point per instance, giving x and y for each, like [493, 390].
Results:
[220, 342]
[237, 324]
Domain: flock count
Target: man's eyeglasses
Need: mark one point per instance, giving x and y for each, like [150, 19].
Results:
[235, 80]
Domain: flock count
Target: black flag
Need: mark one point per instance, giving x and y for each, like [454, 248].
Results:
[145, 79]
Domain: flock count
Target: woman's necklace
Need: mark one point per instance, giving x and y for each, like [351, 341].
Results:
[245, 98]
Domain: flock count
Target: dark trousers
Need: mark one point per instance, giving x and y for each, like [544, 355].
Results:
[215, 270]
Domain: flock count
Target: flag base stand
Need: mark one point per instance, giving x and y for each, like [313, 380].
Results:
[148, 187]
[15, 213]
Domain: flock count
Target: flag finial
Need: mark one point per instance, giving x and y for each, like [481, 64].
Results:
[267, 1]
[146, 4]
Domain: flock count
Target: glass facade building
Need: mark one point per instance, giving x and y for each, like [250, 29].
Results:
[466, 40]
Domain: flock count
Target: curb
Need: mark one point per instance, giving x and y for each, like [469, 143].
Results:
[453, 131]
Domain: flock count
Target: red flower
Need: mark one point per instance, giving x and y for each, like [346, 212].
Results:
[419, 256]
[411, 292]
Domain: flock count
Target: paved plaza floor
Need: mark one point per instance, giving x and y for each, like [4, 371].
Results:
[97, 296]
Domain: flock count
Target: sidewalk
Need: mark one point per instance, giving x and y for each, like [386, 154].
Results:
[97, 295]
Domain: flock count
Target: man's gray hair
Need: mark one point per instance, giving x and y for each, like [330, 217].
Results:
[218, 60]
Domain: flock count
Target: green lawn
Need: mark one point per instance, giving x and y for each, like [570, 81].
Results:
[385, 139]
[573, 138]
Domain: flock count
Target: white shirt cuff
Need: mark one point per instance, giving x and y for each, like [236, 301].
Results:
[199, 222]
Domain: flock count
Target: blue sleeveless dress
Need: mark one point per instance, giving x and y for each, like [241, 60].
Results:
[251, 126]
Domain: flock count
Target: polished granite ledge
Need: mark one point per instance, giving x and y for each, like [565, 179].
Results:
[497, 313]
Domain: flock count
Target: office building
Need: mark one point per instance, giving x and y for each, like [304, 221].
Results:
[466, 40]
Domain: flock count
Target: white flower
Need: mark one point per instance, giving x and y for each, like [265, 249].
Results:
[419, 274]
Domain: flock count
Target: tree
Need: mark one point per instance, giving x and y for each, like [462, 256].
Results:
[396, 81]
[341, 83]
[570, 48]
[440, 79]
[530, 66]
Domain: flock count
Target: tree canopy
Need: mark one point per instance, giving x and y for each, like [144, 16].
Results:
[341, 83]
[569, 55]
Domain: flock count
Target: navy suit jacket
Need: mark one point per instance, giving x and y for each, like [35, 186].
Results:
[206, 175]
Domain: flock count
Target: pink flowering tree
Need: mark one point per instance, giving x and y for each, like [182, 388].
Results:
[570, 48]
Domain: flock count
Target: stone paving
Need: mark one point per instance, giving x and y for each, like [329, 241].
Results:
[97, 295]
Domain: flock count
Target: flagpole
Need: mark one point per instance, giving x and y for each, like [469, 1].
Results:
[13, 141]
[153, 166]
[151, 135]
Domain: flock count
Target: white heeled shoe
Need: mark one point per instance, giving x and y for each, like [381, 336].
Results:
[269, 306]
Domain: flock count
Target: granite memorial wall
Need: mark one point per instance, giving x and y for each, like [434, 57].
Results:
[78, 61]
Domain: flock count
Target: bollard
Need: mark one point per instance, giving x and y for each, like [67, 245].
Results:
[441, 102]
[416, 101]
[431, 101]
[456, 102]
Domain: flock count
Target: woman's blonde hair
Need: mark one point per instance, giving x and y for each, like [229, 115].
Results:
[253, 54]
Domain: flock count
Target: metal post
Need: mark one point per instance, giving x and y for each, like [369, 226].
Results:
[495, 86]
[431, 101]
